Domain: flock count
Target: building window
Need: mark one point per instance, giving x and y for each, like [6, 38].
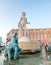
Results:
[44, 32]
[34, 37]
[30, 32]
[49, 34]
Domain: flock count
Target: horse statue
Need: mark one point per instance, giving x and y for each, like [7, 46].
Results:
[13, 48]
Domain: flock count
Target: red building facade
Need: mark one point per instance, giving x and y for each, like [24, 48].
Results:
[44, 35]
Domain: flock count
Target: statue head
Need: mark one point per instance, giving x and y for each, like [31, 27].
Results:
[14, 34]
[23, 14]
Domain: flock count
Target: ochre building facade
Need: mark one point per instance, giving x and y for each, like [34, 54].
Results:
[44, 35]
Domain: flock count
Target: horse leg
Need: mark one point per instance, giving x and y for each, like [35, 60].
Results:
[15, 52]
[9, 55]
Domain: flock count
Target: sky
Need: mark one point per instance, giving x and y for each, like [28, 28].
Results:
[38, 13]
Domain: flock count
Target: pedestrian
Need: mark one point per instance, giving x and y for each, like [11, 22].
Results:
[2, 58]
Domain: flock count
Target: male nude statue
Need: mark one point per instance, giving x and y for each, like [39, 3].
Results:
[22, 23]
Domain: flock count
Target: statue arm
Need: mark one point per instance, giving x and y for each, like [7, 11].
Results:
[27, 22]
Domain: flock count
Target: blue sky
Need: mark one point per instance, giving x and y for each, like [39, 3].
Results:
[38, 13]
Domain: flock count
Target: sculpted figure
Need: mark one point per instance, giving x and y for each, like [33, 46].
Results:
[13, 48]
[23, 21]
[22, 24]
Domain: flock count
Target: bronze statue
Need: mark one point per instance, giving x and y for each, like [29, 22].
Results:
[13, 48]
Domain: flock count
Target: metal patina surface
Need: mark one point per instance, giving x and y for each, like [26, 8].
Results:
[13, 48]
